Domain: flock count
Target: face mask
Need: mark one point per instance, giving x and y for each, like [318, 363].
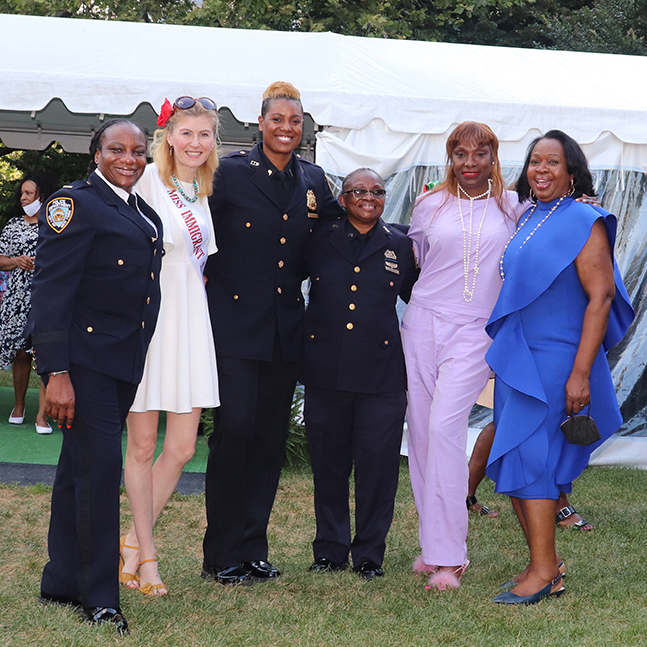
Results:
[32, 208]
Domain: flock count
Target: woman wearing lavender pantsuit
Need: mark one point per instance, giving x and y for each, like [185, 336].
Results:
[458, 231]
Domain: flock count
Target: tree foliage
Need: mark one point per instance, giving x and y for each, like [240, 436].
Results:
[416, 19]
[168, 11]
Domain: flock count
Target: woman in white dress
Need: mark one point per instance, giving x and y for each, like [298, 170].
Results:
[180, 375]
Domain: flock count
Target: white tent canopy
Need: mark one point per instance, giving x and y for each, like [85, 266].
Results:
[391, 100]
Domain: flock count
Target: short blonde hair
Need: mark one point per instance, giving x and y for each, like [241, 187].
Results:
[279, 90]
[163, 156]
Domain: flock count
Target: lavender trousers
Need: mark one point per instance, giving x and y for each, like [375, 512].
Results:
[446, 372]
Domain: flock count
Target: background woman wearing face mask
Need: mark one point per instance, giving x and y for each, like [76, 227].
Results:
[17, 254]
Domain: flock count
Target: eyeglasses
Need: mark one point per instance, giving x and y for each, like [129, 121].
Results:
[184, 103]
[361, 193]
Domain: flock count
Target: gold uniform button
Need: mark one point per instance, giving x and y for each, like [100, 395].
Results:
[283, 241]
[120, 262]
[281, 263]
[353, 288]
[279, 290]
[349, 326]
[285, 216]
[153, 276]
[143, 325]
[248, 224]
[391, 283]
[386, 342]
[351, 306]
[357, 269]
[317, 279]
[312, 336]
[235, 297]
[89, 328]
[148, 301]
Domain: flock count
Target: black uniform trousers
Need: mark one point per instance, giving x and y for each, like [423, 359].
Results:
[365, 429]
[83, 536]
[246, 452]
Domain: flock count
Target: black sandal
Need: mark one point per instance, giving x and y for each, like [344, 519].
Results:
[485, 511]
[565, 513]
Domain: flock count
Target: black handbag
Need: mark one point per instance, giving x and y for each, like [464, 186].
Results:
[580, 430]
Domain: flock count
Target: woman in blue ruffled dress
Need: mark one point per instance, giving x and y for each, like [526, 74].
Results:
[561, 307]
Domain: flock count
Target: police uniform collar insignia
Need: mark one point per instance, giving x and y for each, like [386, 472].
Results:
[390, 255]
[59, 213]
[386, 229]
[254, 163]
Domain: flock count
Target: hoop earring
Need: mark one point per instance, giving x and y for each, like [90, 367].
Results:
[533, 197]
[571, 190]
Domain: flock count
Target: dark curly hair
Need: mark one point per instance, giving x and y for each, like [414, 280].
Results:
[576, 165]
[45, 185]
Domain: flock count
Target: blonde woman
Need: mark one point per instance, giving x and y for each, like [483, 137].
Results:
[180, 376]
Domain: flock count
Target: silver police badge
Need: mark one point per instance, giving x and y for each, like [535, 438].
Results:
[59, 213]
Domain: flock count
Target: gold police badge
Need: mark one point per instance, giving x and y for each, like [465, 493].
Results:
[311, 200]
[59, 213]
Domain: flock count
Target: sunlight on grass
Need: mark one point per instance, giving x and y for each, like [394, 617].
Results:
[604, 603]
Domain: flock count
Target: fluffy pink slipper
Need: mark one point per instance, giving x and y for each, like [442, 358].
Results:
[442, 580]
[419, 567]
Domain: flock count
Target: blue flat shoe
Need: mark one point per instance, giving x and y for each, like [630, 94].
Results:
[508, 597]
[510, 583]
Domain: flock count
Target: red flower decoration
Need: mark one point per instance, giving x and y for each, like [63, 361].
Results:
[165, 113]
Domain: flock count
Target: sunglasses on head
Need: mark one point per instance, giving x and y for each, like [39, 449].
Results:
[184, 103]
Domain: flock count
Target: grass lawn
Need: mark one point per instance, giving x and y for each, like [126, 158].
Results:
[605, 602]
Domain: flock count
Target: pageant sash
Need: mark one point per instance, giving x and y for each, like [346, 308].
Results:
[189, 223]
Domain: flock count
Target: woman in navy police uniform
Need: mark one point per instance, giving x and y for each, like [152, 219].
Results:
[95, 299]
[354, 374]
[264, 206]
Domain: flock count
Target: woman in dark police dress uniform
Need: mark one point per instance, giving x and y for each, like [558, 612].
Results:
[95, 299]
[264, 206]
[354, 374]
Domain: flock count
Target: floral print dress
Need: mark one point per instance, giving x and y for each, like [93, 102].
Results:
[18, 238]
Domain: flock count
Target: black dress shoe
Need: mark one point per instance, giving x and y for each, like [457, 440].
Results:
[260, 570]
[230, 575]
[59, 600]
[107, 616]
[369, 570]
[324, 564]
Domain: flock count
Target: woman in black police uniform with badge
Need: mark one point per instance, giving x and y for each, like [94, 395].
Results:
[354, 374]
[264, 206]
[95, 299]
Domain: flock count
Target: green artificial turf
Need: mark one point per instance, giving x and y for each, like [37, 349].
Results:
[21, 443]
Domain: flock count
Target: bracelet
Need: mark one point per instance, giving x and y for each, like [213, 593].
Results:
[53, 373]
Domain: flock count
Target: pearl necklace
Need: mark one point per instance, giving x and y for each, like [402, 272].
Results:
[530, 235]
[178, 186]
[468, 294]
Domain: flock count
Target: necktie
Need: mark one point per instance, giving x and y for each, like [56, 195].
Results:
[132, 201]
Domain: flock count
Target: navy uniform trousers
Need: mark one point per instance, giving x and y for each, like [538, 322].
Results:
[85, 500]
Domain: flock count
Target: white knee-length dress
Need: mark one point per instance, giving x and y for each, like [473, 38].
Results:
[180, 371]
